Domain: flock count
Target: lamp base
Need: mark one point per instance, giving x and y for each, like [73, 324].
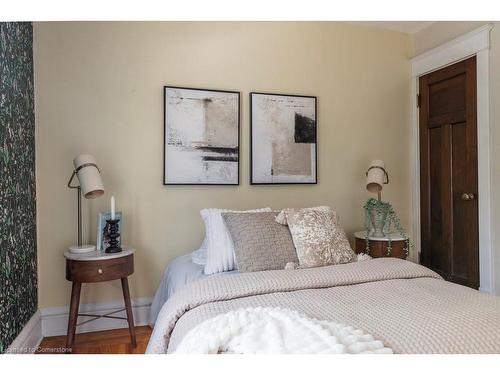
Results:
[81, 249]
[113, 250]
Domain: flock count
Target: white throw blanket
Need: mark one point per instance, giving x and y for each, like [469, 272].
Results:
[274, 330]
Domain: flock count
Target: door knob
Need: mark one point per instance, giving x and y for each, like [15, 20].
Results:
[468, 196]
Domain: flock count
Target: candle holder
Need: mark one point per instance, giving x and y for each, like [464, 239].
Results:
[113, 235]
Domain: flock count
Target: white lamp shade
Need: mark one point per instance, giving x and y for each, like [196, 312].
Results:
[375, 177]
[89, 176]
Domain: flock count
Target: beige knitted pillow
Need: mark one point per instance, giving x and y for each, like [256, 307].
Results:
[319, 240]
[260, 243]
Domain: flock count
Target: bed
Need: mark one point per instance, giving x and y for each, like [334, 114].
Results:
[408, 307]
[300, 288]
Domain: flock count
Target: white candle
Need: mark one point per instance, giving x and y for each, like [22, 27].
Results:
[112, 207]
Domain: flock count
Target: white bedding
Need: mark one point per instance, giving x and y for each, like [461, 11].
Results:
[274, 330]
[179, 272]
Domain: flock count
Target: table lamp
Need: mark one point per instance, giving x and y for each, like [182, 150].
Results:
[90, 185]
[376, 177]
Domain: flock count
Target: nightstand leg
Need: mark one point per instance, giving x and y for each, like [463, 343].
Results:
[128, 307]
[73, 314]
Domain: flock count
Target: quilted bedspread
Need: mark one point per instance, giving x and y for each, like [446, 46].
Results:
[408, 307]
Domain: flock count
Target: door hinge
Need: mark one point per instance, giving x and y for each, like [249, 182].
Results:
[419, 101]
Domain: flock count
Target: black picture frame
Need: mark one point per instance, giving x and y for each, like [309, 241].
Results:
[315, 182]
[164, 182]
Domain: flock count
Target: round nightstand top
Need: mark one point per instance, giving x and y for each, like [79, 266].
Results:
[98, 255]
[393, 237]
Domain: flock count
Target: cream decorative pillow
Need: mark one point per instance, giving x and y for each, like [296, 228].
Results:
[281, 218]
[319, 240]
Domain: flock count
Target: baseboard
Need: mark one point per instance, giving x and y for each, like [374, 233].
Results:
[55, 319]
[29, 338]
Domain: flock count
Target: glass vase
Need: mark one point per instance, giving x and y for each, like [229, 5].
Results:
[378, 218]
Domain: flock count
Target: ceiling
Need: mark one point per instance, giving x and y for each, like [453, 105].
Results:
[409, 27]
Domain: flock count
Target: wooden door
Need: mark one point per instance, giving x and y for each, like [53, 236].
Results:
[448, 173]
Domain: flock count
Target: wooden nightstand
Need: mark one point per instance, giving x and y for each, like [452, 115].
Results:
[96, 267]
[379, 246]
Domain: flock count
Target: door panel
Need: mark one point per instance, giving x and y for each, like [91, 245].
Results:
[438, 259]
[459, 172]
[448, 170]
[447, 96]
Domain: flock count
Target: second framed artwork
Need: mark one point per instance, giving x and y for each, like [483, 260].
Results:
[283, 136]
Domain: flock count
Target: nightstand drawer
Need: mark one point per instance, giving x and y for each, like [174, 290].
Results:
[379, 248]
[101, 270]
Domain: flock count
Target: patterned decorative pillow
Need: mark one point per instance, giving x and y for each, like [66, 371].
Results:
[281, 218]
[260, 243]
[319, 240]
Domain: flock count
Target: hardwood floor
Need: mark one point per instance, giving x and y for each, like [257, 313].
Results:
[116, 341]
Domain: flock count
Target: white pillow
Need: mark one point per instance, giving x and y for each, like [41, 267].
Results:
[220, 249]
[200, 256]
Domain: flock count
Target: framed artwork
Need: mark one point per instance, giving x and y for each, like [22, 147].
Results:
[202, 135]
[283, 131]
[103, 229]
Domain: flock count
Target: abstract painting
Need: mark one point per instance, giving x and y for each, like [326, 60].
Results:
[283, 139]
[201, 137]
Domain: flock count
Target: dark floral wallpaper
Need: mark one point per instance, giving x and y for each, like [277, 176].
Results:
[18, 273]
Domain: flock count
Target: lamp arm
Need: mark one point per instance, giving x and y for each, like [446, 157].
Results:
[79, 202]
[71, 179]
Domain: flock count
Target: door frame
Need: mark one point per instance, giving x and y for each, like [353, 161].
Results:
[475, 43]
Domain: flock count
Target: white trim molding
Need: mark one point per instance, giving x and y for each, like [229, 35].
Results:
[455, 50]
[475, 43]
[55, 319]
[29, 338]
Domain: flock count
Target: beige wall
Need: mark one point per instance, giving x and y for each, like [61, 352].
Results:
[442, 32]
[99, 91]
